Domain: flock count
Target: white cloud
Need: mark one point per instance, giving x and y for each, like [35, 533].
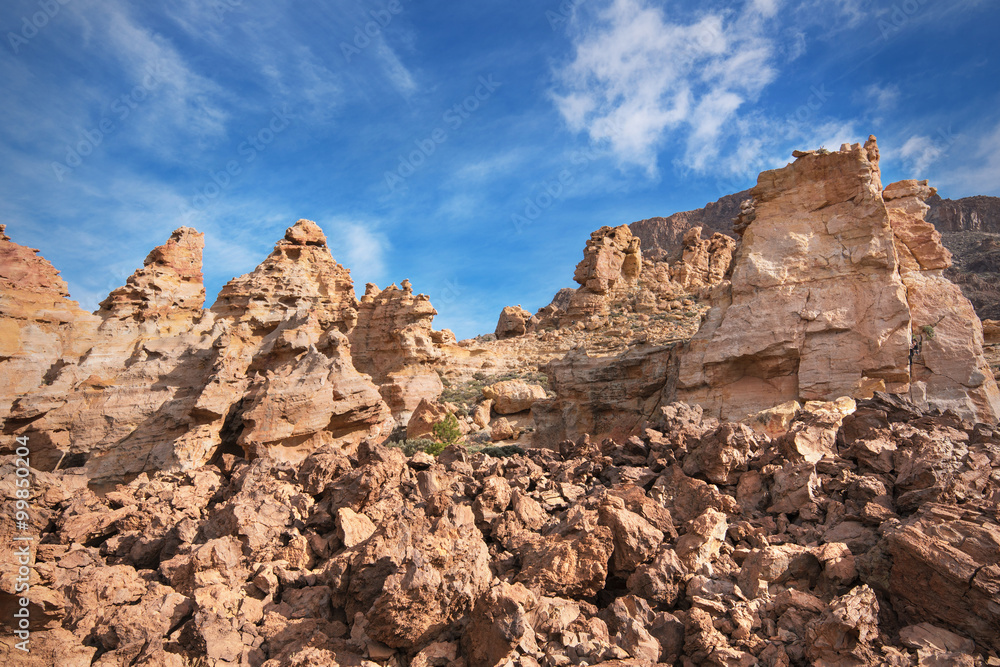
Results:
[881, 97]
[919, 153]
[979, 172]
[637, 79]
[359, 247]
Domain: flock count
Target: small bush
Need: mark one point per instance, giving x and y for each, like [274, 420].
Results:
[447, 431]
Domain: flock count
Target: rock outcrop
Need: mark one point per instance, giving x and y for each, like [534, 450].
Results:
[705, 262]
[394, 342]
[167, 386]
[39, 325]
[948, 370]
[167, 291]
[817, 307]
[663, 238]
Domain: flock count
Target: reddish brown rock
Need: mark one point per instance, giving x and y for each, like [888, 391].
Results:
[512, 323]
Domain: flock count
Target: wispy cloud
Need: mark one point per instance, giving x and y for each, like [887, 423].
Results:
[637, 77]
[359, 246]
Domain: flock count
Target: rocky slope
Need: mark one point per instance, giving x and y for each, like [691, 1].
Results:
[663, 238]
[694, 544]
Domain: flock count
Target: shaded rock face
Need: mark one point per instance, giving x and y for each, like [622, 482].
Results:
[165, 384]
[39, 325]
[950, 371]
[818, 308]
[394, 342]
[604, 395]
[693, 543]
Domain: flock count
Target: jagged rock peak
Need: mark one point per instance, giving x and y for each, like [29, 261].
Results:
[170, 282]
[23, 269]
[299, 274]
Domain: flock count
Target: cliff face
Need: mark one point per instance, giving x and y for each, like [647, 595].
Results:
[828, 286]
[971, 214]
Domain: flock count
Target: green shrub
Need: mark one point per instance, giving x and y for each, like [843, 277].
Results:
[447, 432]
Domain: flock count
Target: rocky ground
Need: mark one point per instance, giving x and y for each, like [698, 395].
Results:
[871, 538]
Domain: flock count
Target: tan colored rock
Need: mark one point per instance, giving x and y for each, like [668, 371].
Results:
[776, 421]
[423, 419]
[299, 274]
[394, 342]
[636, 540]
[481, 416]
[705, 262]
[512, 323]
[168, 289]
[314, 400]
[502, 429]
[39, 325]
[816, 306]
[513, 396]
[500, 626]
[702, 542]
[353, 528]
[950, 370]
[112, 413]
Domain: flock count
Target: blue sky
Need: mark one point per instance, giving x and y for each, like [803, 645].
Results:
[470, 147]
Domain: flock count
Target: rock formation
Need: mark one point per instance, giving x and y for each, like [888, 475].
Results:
[394, 343]
[663, 238]
[817, 307]
[949, 370]
[167, 386]
[512, 323]
[705, 262]
[39, 325]
[167, 291]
